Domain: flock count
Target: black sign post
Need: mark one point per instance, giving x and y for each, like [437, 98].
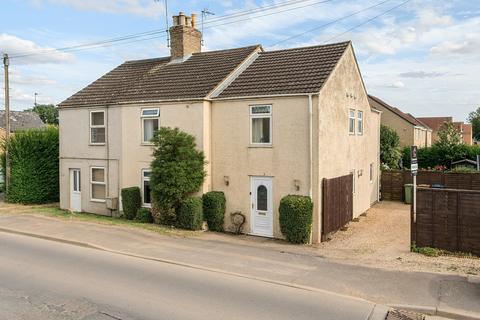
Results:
[414, 170]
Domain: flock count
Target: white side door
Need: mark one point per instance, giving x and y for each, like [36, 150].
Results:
[261, 219]
[75, 190]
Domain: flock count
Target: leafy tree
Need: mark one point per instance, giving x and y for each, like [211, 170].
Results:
[449, 142]
[390, 153]
[47, 112]
[474, 119]
[177, 172]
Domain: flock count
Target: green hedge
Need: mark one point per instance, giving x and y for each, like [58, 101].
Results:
[190, 214]
[429, 158]
[34, 166]
[131, 202]
[144, 215]
[296, 218]
[214, 209]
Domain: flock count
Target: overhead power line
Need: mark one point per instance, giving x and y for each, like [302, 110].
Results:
[123, 39]
[328, 23]
[368, 21]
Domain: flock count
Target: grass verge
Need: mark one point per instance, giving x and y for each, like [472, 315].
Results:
[54, 211]
[435, 252]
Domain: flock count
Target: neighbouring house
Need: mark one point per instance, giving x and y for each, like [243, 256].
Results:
[412, 132]
[271, 123]
[466, 130]
[20, 120]
[436, 124]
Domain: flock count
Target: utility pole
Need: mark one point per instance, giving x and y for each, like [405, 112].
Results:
[6, 63]
[35, 103]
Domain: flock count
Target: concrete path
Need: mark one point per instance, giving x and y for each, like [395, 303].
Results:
[444, 295]
[43, 280]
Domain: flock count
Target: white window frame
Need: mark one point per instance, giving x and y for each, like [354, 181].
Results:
[350, 118]
[149, 117]
[261, 116]
[97, 126]
[360, 122]
[146, 205]
[98, 183]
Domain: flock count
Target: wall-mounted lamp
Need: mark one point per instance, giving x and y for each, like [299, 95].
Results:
[226, 179]
[296, 183]
[360, 173]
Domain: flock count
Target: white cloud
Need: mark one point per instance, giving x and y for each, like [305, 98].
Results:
[148, 8]
[17, 46]
[397, 85]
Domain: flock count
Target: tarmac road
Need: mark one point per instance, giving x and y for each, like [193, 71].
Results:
[41, 279]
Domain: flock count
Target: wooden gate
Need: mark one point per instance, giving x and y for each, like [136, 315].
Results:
[337, 203]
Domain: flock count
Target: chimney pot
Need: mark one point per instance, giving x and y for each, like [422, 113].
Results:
[194, 20]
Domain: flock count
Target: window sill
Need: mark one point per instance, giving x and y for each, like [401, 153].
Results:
[97, 200]
[260, 146]
[148, 144]
[148, 206]
[97, 144]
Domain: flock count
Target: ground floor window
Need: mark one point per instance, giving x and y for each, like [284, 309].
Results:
[98, 184]
[146, 192]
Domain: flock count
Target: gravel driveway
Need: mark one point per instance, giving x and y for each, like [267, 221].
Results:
[382, 238]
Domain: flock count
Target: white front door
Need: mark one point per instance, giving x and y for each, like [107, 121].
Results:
[75, 190]
[261, 220]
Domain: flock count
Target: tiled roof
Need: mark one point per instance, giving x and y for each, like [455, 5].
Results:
[290, 71]
[405, 116]
[435, 122]
[158, 80]
[22, 120]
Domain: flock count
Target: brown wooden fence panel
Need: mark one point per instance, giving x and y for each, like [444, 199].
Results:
[448, 219]
[337, 203]
[392, 182]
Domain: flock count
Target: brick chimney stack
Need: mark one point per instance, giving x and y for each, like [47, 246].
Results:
[185, 38]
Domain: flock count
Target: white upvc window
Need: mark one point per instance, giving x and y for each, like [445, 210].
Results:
[261, 125]
[97, 127]
[146, 191]
[98, 185]
[150, 124]
[351, 121]
[360, 122]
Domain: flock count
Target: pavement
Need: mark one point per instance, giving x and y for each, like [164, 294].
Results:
[436, 294]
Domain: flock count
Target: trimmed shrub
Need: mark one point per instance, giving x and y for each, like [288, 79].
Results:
[177, 172]
[144, 215]
[214, 209]
[34, 166]
[296, 218]
[131, 202]
[190, 214]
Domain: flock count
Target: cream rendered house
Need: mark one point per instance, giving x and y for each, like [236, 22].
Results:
[271, 123]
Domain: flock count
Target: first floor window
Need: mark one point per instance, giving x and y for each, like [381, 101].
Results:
[146, 192]
[351, 121]
[150, 123]
[98, 184]
[261, 124]
[360, 122]
[97, 127]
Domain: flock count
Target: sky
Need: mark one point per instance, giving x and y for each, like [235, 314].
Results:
[422, 56]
